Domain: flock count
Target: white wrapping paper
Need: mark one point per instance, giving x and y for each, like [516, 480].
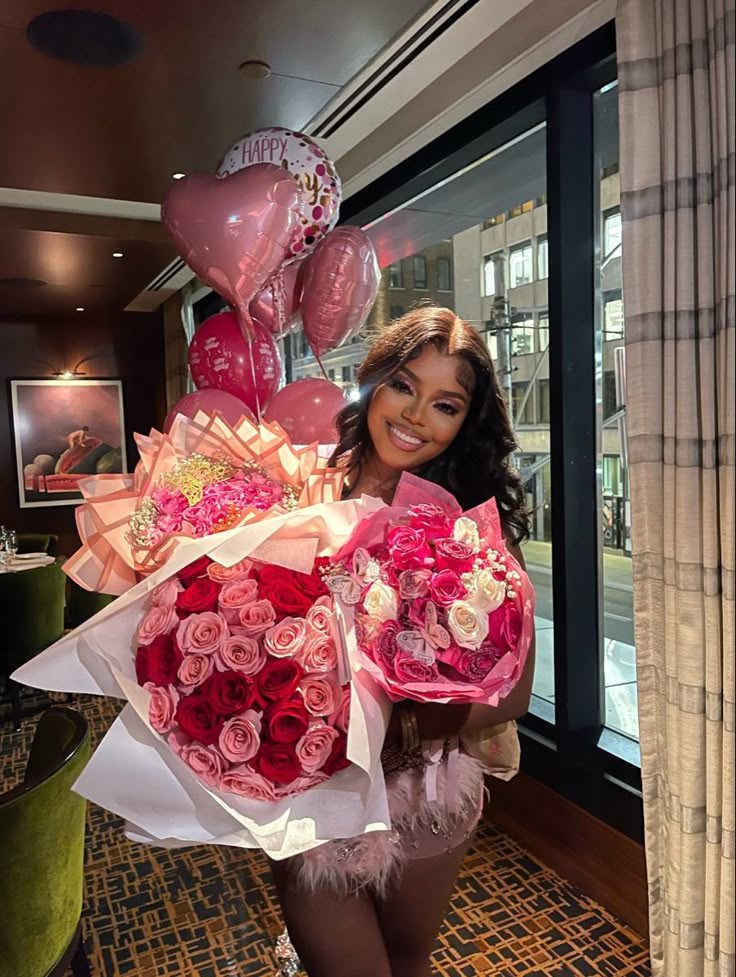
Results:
[135, 774]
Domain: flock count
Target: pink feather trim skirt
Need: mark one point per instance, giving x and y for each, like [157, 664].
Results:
[421, 828]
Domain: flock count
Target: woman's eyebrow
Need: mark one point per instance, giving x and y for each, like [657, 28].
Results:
[442, 393]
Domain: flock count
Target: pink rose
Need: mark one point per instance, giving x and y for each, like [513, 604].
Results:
[206, 761]
[221, 574]
[240, 737]
[245, 782]
[167, 524]
[166, 592]
[453, 555]
[194, 669]
[162, 707]
[410, 669]
[201, 633]
[414, 583]
[318, 654]
[341, 716]
[315, 746]
[385, 647]
[431, 519]
[168, 502]
[474, 665]
[240, 653]
[319, 616]
[177, 740]
[446, 587]
[235, 595]
[301, 784]
[256, 618]
[409, 548]
[504, 627]
[160, 619]
[321, 694]
[286, 639]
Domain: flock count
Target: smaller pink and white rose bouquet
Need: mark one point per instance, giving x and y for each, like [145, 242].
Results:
[442, 610]
[242, 667]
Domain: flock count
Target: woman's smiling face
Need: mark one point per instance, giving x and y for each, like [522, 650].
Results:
[416, 414]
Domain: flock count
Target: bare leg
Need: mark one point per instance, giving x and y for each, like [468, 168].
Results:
[335, 936]
[411, 914]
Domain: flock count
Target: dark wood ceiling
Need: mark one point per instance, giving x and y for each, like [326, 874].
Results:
[121, 132]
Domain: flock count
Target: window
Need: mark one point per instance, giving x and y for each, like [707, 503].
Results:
[542, 266]
[305, 345]
[444, 275]
[420, 271]
[522, 335]
[395, 277]
[518, 393]
[397, 311]
[346, 374]
[489, 275]
[542, 333]
[613, 316]
[520, 265]
[617, 652]
[542, 401]
[611, 231]
[331, 374]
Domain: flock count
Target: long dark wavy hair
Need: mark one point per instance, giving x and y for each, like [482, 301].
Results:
[476, 465]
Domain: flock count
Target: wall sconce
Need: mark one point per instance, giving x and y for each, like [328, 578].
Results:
[65, 374]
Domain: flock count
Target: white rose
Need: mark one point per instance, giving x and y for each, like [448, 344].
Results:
[380, 602]
[466, 531]
[488, 593]
[469, 626]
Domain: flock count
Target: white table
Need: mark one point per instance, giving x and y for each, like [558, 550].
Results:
[20, 564]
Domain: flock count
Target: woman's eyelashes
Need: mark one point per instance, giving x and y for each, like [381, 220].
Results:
[404, 387]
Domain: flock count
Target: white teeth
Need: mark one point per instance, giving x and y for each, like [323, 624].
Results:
[406, 438]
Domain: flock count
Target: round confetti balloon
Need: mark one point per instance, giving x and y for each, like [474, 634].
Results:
[321, 192]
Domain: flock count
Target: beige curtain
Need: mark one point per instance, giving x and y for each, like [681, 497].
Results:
[676, 104]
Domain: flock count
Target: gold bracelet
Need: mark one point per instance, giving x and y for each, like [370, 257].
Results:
[409, 730]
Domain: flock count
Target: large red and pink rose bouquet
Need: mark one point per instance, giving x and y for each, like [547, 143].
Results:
[442, 610]
[242, 669]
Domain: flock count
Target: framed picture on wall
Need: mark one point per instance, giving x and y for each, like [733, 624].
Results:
[65, 430]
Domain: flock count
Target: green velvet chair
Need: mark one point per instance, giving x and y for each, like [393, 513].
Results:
[38, 543]
[82, 604]
[32, 611]
[42, 826]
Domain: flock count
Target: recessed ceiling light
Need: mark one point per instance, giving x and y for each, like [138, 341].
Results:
[117, 254]
[85, 37]
[80, 308]
[256, 70]
[178, 176]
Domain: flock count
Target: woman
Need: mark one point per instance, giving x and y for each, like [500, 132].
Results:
[429, 404]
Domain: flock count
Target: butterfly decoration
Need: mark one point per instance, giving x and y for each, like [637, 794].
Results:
[430, 636]
[348, 585]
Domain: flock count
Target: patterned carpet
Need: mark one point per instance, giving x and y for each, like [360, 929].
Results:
[211, 912]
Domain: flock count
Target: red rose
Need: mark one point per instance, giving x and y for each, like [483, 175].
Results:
[194, 570]
[337, 760]
[409, 548]
[287, 722]
[197, 719]
[446, 587]
[385, 648]
[163, 660]
[433, 520]
[201, 595]
[287, 599]
[504, 627]
[277, 762]
[141, 665]
[311, 584]
[228, 692]
[278, 679]
[453, 555]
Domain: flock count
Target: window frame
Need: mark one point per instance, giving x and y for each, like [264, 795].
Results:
[395, 266]
[566, 754]
[419, 260]
[521, 248]
[446, 263]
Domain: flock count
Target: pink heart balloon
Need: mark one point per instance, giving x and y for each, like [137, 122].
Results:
[277, 306]
[234, 231]
[340, 287]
